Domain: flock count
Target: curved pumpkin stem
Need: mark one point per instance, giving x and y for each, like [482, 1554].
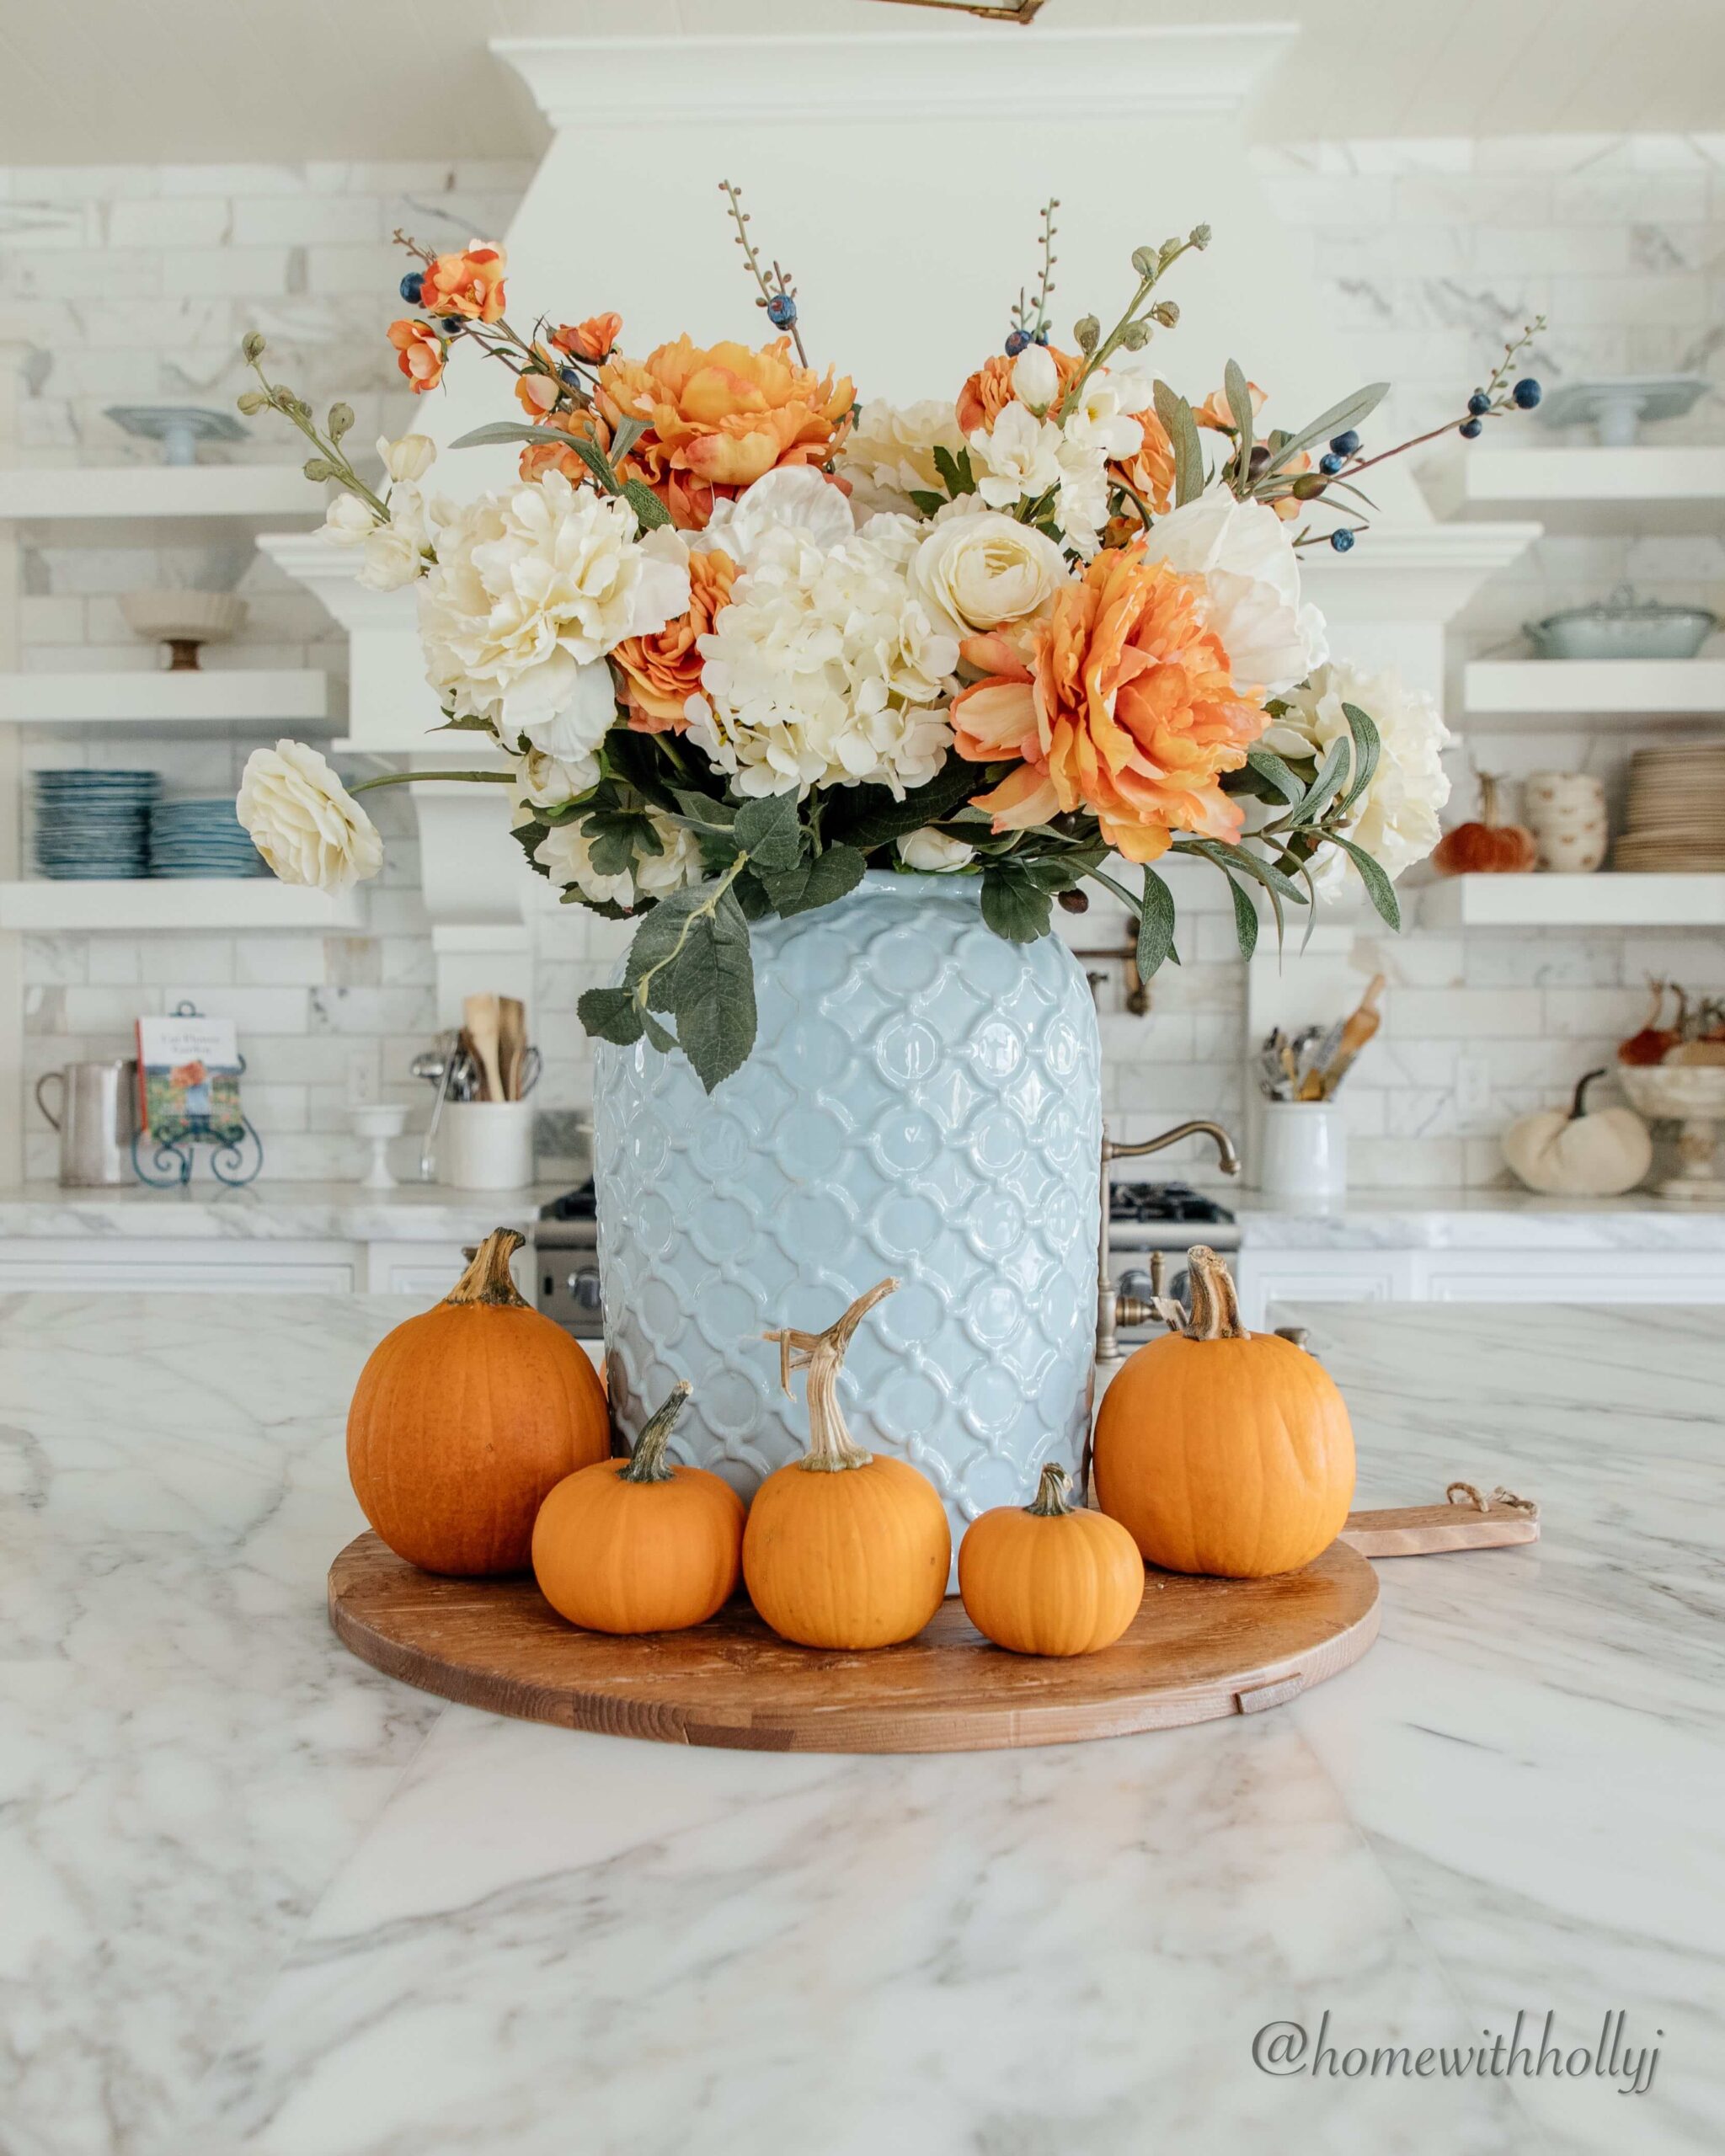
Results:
[487, 1279]
[1578, 1105]
[1051, 1500]
[647, 1463]
[1215, 1308]
[832, 1448]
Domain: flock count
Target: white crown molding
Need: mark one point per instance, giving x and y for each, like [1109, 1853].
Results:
[979, 73]
[333, 573]
[1423, 572]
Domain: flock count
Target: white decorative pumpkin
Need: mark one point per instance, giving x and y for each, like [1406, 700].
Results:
[1571, 1153]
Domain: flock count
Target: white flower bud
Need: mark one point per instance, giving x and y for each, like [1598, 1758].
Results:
[347, 521]
[408, 457]
[933, 852]
[1036, 379]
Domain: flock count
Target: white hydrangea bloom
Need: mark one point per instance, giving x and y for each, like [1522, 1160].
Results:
[1395, 819]
[888, 454]
[792, 498]
[825, 670]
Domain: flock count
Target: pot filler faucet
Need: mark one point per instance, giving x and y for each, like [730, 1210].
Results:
[1114, 1308]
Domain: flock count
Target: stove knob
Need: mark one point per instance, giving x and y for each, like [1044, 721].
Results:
[584, 1286]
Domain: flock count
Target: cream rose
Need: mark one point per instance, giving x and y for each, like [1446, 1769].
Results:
[933, 852]
[303, 820]
[986, 571]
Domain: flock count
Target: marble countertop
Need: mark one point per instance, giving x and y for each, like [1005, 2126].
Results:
[1474, 1220]
[255, 1896]
[270, 1212]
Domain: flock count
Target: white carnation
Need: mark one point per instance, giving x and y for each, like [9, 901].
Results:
[567, 852]
[1395, 819]
[1246, 557]
[531, 587]
[304, 821]
[823, 670]
[888, 455]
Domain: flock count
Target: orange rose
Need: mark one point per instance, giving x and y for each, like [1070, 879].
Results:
[1215, 412]
[422, 354]
[661, 673]
[988, 391]
[593, 339]
[470, 283]
[720, 418]
[1127, 708]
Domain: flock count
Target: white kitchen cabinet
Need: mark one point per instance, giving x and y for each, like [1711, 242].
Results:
[1268, 1277]
[145, 1266]
[1271, 1277]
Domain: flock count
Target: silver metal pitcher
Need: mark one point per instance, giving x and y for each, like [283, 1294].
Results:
[98, 1117]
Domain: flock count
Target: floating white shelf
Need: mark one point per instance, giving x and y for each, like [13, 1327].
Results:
[210, 905]
[1588, 490]
[1605, 900]
[1672, 688]
[298, 695]
[260, 497]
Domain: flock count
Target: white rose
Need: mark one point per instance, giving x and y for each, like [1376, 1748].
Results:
[933, 852]
[888, 455]
[347, 521]
[408, 457]
[543, 781]
[793, 498]
[1018, 457]
[1246, 557]
[532, 586]
[1036, 379]
[984, 571]
[303, 820]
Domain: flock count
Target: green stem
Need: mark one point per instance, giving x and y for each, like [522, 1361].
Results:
[1133, 905]
[415, 778]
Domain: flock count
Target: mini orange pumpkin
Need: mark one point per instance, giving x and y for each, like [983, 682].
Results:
[1222, 1450]
[640, 1545]
[465, 1416]
[1487, 848]
[1044, 1579]
[843, 1549]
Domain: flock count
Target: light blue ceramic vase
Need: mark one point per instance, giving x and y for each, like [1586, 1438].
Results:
[924, 1100]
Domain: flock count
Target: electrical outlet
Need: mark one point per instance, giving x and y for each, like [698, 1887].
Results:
[1473, 1089]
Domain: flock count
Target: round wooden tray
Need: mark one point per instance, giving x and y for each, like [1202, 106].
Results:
[1198, 1649]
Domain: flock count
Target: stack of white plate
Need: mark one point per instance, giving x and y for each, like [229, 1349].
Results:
[201, 838]
[1675, 820]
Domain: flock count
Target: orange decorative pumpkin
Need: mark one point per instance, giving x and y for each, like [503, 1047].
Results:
[1222, 1450]
[1044, 1579]
[1487, 848]
[639, 1545]
[466, 1417]
[842, 1550]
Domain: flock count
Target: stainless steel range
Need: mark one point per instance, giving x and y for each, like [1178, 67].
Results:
[1144, 1218]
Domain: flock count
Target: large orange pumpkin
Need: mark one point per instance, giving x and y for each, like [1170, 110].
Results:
[640, 1545]
[843, 1549]
[1222, 1450]
[466, 1417]
[1045, 1578]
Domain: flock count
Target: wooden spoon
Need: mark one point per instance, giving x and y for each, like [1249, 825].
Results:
[512, 1043]
[484, 1026]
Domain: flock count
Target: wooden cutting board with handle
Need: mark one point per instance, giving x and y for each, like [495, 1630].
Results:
[1466, 1520]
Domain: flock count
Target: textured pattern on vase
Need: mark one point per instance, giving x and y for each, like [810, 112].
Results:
[923, 1100]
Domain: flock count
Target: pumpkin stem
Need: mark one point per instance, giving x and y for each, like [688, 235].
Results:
[1215, 1308]
[647, 1463]
[1578, 1106]
[1051, 1500]
[487, 1279]
[832, 1448]
[1488, 800]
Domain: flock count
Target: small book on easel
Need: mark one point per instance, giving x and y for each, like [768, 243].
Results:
[189, 1076]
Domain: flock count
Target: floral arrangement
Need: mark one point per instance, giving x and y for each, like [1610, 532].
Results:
[741, 639]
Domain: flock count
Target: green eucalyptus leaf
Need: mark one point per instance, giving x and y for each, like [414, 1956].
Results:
[1245, 918]
[1331, 772]
[1378, 886]
[1156, 926]
[1269, 765]
[650, 513]
[1368, 746]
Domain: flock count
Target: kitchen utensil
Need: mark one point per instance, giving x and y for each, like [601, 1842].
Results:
[486, 1146]
[469, 1082]
[511, 1044]
[437, 1066]
[1359, 1027]
[484, 1026]
[378, 1123]
[1622, 626]
[1616, 406]
[1324, 1052]
[1428, 1530]
[97, 1120]
[183, 620]
[527, 1073]
[1303, 1150]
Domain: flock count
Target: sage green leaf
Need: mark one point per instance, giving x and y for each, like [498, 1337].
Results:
[609, 1014]
[1245, 918]
[1337, 420]
[650, 513]
[1013, 905]
[930, 502]
[661, 1038]
[1238, 393]
[657, 943]
[874, 818]
[617, 840]
[1156, 925]
[702, 811]
[1378, 886]
[502, 430]
[1176, 416]
[1331, 772]
[1368, 746]
[767, 829]
[624, 437]
[1269, 765]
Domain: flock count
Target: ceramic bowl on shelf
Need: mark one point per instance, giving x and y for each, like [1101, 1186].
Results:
[184, 620]
[1692, 1095]
[1622, 626]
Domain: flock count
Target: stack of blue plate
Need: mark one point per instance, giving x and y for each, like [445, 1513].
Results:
[94, 823]
[201, 838]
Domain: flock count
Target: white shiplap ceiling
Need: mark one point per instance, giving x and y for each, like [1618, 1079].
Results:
[201, 81]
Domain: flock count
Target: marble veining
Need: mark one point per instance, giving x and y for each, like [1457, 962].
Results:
[257, 1898]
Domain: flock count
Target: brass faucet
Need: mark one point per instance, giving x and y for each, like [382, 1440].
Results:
[1114, 1309]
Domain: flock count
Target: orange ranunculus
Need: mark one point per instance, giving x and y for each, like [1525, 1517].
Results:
[1215, 412]
[988, 391]
[593, 339]
[554, 454]
[661, 673]
[470, 283]
[421, 351]
[720, 418]
[1126, 708]
[1148, 471]
[537, 394]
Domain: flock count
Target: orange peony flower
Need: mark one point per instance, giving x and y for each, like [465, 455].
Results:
[661, 673]
[422, 354]
[988, 391]
[719, 419]
[593, 339]
[1127, 708]
[470, 283]
[1215, 412]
